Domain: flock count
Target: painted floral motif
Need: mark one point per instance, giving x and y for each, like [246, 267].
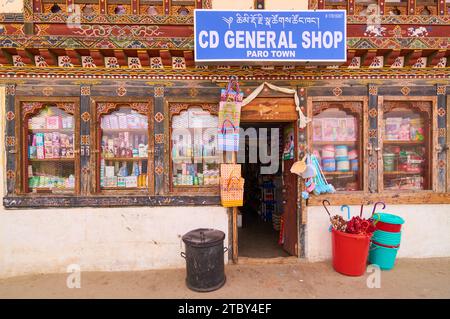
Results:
[441, 90]
[10, 116]
[85, 90]
[441, 112]
[10, 174]
[201, 67]
[193, 92]
[134, 63]
[375, 31]
[246, 67]
[178, 63]
[159, 138]
[121, 91]
[87, 62]
[156, 63]
[442, 63]
[355, 63]
[159, 91]
[373, 90]
[118, 30]
[420, 63]
[65, 62]
[17, 60]
[85, 140]
[159, 117]
[398, 63]
[373, 112]
[417, 32]
[85, 116]
[442, 132]
[337, 91]
[405, 90]
[47, 91]
[159, 169]
[111, 62]
[10, 141]
[40, 61]
[288, 67]
[372, 133]
[10, 89]
[377, 62]
[223, 67]
[267, 67]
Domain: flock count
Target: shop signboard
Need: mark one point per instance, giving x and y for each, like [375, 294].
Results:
[260, 36]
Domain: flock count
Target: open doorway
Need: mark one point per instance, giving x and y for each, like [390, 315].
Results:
[267, 226]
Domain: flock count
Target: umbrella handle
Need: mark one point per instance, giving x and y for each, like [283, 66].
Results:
[375, 206]
[348, 210]
[328, 203]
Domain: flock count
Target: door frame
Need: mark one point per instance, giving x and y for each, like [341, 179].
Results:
[233, 229]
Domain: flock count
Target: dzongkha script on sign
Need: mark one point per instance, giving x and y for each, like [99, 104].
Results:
[268, 36]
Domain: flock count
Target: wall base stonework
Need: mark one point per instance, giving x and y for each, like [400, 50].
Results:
[426, 232]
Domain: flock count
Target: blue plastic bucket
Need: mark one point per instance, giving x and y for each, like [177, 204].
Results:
[387, 238]
[384, 257]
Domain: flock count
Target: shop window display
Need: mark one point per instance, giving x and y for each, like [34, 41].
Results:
[406, 140]
[336, 144]
[51, 160]
[124, 146]
[195, 159]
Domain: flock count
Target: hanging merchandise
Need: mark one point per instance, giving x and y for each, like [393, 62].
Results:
[231, 185]
[229, 117]
[322, 185]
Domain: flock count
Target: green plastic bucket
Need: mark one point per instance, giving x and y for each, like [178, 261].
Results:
[387, 238]
[384, 257]
[388, 218]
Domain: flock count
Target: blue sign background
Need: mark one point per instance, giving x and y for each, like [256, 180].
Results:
[270, 36]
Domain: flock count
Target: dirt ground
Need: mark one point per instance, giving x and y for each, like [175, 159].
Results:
[411, 278]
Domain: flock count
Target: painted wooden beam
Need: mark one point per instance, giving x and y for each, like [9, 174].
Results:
[121, 58]
[390, 57]
[98, 58]
[74, 57]
[143, 57]
[189, 58]
[166, 57]
[368, 58]
[26, 56]
[48, 57]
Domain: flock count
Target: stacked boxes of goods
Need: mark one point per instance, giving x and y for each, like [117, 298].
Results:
[339, 158]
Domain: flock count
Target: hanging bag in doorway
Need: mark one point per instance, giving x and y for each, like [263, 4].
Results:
[231, 185]
[229, 117]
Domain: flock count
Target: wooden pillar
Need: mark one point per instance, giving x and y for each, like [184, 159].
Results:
[411, 7]
[135, 7]
[102, 5]
[166, 5]
[159, 120]
[441, 91]
[374, 134]
[10, 138]
[234, 217]
[85, 137]
[301, 203]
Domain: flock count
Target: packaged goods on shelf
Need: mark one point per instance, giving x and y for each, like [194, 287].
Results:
[53, 122]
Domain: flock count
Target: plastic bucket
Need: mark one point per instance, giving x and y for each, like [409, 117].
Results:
[387, 238]
[382, 245]
[384, 257]
[350, 252]
[388, 222]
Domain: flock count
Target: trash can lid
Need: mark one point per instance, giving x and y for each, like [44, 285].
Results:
[203, 237]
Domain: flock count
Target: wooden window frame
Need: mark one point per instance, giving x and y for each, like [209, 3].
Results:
[362, 129]
[115, 104]
[389, 197]
[433, 127]
[21, 147]
[175, 108]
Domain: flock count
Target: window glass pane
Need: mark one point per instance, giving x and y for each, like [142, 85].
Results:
[336, 144]
[195, 160]
[124, 150]
[51, 160]
[405, 150]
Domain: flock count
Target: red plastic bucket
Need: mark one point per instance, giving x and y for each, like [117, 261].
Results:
[350, 252]
[393, 228]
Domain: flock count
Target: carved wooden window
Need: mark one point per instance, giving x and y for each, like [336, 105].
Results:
[49, 148]
[123, 145]
[337, 143]
[407, 141]
[194, 155]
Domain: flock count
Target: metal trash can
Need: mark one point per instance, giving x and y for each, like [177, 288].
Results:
[204, 259]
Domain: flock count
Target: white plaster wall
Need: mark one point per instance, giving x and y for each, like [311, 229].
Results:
[426, 232]
[99, 239]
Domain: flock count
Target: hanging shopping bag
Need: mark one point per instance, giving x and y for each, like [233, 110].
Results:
[229, 118]
[229, 170]
[232, 191]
